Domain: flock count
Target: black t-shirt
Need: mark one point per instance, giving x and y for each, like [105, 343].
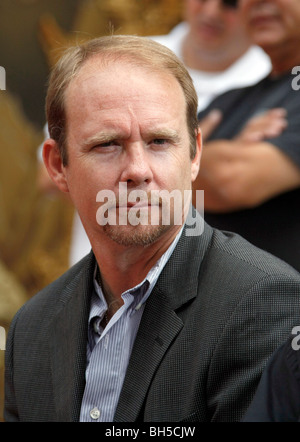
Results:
[275, 225]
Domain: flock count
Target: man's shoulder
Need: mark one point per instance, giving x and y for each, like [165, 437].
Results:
[229, 99]
[221, 254]
[234, 252]
[60, 290]
[271, 92]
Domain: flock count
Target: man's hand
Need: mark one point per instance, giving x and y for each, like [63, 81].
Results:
[269, 124]
[209, 123]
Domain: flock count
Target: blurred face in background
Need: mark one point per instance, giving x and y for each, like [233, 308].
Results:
[272, 23]
[214, 24]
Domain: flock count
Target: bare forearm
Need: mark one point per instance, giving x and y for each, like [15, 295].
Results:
[236, 176]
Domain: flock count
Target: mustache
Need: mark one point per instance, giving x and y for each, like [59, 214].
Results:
[139, 198]
[264, 9]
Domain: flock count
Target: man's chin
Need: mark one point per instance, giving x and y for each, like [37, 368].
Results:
[134, 235]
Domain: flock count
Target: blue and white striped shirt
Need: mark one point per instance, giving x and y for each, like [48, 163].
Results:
[109, 350]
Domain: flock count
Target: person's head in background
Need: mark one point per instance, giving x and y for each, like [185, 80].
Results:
[217, 37]
[274, 25]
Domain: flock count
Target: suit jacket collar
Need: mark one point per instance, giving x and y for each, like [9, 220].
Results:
[68, 342]
[180, 277]
[177, 285]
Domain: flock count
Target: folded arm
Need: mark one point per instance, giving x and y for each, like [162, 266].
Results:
[246, 171]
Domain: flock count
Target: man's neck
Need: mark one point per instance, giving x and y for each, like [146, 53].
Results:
[283, 61]
[125, 267]
[283, 57]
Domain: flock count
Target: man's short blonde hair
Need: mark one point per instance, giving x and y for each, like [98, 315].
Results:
[140, 51]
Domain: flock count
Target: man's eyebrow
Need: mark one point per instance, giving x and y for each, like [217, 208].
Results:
[168, 134]
[101, 137]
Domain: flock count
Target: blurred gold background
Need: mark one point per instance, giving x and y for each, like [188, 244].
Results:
[35, 227]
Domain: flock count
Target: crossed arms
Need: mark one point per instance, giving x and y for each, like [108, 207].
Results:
[245, 171]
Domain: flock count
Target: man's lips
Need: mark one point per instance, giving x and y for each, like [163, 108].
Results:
[209, 29]
[263, 14]
[138, 205]
[262, 20]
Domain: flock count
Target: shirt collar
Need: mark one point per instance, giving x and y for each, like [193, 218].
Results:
[141, 291]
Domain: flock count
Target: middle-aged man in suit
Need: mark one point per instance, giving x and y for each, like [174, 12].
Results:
[166, 319]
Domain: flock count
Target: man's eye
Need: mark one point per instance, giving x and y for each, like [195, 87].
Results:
[159, 141]
[106, 144]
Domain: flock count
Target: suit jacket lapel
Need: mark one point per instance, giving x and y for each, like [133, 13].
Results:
[160, 323]
[158, 328]
[68, 344]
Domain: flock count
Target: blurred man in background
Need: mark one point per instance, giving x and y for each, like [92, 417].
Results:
[213, 43]
[250, 169]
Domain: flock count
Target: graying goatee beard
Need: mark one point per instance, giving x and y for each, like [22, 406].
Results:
[136, 236]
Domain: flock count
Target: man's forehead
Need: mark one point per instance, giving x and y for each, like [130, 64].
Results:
[97, 66]
[122, 99]
[120, 80]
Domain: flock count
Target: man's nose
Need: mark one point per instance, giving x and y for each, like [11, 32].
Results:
[136, 168]
[212, 8]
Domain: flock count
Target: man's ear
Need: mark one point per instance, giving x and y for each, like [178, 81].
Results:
[54, 165]
[197, 158]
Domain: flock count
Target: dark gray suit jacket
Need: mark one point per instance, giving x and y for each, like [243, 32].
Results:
[217, 312]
